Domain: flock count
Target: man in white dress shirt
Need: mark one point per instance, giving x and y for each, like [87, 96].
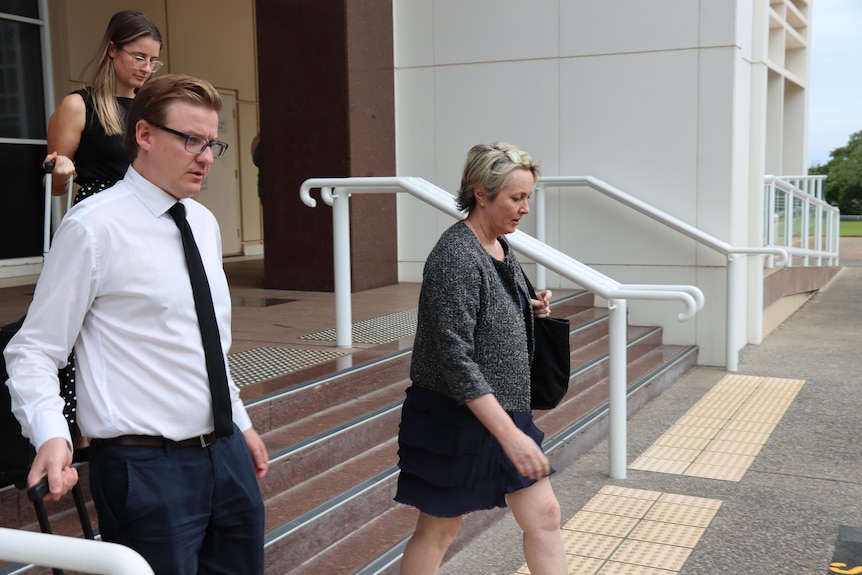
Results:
[116, 287]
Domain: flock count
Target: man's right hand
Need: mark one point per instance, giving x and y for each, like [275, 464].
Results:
[54, 459]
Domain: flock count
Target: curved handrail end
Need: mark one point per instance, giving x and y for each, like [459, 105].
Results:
[305, 194]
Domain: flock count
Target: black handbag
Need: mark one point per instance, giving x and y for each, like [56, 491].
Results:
[552, 361]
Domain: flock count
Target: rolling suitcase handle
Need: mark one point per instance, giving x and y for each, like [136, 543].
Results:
[40, 490]
[46, 242]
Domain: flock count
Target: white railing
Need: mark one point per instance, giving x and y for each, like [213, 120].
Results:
[798, 219]
[336, 192]
[809, 185]
[59, 552]
[733, 254]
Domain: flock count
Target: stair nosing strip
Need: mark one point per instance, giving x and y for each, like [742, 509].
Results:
[385, 560]
[342, 498]
[333, 432]
[327, 378]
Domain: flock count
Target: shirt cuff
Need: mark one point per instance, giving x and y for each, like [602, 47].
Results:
[48, 425]
[241, 419]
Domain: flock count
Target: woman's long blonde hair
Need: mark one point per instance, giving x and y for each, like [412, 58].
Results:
[124, 27]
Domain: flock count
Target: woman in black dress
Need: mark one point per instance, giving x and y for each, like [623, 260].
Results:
[85, 133]
[467, 439]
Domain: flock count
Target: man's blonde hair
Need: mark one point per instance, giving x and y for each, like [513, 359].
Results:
[151, 103]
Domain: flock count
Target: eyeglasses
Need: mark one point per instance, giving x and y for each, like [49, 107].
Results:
[195, 144]
[140, 62]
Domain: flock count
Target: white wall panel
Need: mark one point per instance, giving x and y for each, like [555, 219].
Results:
[715, 162]
[515, 102]
[413, 33]
[415, 123]
[631, 120]
[723, 23]
[494, 31]
[590, 27]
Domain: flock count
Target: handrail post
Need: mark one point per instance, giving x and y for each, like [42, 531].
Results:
[731, 355]
[617, 376]
[770, 219]
[341, 261]
[541, 225]
[789, 217]
[805, 229]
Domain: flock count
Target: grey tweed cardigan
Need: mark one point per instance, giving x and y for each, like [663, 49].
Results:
[473, 336]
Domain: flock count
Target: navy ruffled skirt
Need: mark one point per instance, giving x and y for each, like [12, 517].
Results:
[450, 463]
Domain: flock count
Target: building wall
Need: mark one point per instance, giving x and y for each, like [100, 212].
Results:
[683, 104]
[675, 102]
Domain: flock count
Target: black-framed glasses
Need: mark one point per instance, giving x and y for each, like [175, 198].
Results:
[140, 62]
[195, 144]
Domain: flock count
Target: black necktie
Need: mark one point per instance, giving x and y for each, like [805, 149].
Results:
[209, 328]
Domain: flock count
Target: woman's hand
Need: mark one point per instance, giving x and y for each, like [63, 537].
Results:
[542, 305]
[64, 170]
[527, 457]
[521, 450]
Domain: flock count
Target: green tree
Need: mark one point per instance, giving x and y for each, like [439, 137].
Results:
[843, 186]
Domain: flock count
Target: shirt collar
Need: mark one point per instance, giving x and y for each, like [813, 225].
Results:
[153, 197]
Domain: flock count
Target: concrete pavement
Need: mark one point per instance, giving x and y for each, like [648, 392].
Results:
[803, 492]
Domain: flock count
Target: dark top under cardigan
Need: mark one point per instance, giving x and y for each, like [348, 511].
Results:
[474, 334]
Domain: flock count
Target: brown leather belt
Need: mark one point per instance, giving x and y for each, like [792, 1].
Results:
[153, 441]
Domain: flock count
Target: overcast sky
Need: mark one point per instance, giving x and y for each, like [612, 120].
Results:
[835, 87]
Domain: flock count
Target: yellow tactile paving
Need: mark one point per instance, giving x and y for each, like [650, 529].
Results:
[601, 524]
[670, 533]
[622, 531]
[657, 555]
[618, 505]
[719, 437]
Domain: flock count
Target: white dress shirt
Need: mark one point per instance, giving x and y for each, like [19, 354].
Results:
[116, 286]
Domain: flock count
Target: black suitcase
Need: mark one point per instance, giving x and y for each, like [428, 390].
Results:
[16, 453]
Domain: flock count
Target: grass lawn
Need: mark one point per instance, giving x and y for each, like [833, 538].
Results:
[851, 228]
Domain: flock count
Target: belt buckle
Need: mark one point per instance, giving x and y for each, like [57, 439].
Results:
[204, 442]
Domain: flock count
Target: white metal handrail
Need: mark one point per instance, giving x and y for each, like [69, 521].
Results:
[800, 220]
[810, 185]
[82, 555]
[336, 192]
[730, 252]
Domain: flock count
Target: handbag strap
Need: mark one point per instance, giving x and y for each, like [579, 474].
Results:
[529, 285]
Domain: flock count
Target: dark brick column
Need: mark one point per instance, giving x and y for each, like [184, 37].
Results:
[326, 81]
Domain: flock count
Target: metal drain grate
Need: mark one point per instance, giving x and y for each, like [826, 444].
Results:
[262, 363]
[377, 330]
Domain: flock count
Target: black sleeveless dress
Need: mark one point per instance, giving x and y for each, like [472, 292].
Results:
[100, 160]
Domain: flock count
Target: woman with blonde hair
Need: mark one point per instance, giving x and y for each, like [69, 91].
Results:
[85, 133]
[467, 440]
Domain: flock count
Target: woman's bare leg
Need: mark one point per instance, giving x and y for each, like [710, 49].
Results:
[428, 545]
[537, 511]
